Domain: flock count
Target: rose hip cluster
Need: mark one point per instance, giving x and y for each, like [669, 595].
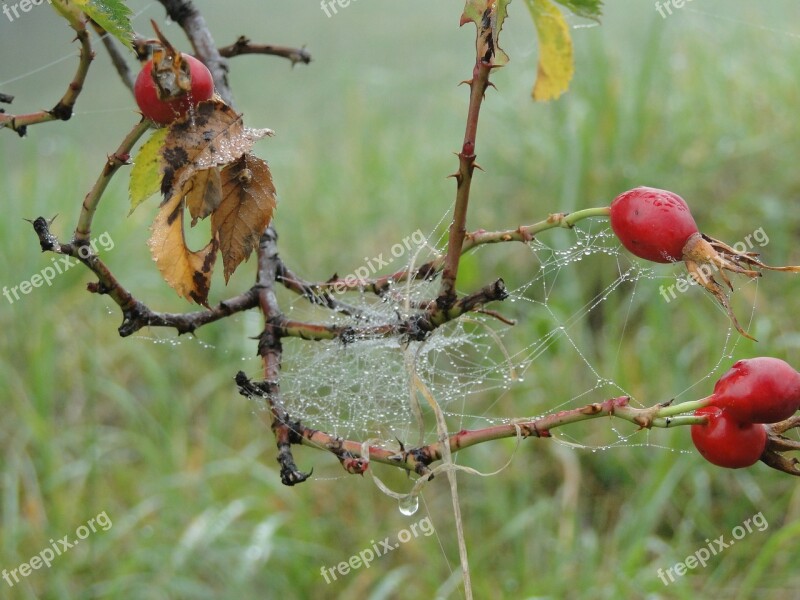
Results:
[752, 393]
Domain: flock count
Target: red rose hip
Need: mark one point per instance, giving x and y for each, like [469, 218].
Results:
[759, 390]
[653, 224]
[166, 111]
[726, 442]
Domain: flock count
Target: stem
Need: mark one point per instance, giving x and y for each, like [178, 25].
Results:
[117, 59]
[429, 270]
[466, 165]
[62, 111]
[114, 162]
[526, 233]
[419, 459]
[244, 46]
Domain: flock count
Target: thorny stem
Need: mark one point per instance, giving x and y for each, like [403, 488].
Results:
[62, 111]
[466, 166]
[419, 459]
[114, 162]
[270, 349]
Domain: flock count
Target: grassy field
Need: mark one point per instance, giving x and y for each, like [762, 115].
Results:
[148, 436]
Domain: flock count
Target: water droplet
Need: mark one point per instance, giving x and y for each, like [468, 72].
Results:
[409, 505]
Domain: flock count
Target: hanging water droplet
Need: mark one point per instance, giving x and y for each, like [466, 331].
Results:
[409, 505]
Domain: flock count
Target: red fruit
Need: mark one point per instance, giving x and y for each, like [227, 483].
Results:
[652, 224]
[166, 111]
[759, 390]
[726, 442]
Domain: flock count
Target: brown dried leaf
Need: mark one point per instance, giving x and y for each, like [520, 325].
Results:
[212, 135]
[203, 193]
[187, 272]
[248, 200]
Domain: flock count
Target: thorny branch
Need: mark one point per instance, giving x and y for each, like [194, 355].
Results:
[63, 109]
[420, 459]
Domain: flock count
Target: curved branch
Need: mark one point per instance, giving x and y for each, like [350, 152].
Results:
[114, 162]
[244, 46]
[62, 111]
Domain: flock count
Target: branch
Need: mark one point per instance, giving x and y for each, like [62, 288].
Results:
[62, 111]
[271, 351]
[430, 270]
[117, 59]
[466, 166]
[419, 460]
[244, 46]
[114, 162]
[192, 22]
[136, 314]
[414, 327]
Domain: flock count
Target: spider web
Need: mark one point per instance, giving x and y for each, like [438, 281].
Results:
[474, 365]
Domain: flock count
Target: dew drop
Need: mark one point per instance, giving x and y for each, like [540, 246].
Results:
[409, 505]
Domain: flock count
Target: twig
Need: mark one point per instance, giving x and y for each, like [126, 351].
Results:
[136, 314]
[114, 162]
[244, 46]
[117, 59]
[431, 269]
[62, 111]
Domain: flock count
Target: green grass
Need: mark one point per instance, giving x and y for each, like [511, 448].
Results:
[156, 435]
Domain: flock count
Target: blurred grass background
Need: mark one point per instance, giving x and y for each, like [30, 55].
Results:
[152, 431]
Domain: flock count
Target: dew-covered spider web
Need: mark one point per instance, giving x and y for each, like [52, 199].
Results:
[481, 370]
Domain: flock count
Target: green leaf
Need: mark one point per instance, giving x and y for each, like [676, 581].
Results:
[488, 16]
[589, 9]
[111, 15]
[146, 173]
[556, 60]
